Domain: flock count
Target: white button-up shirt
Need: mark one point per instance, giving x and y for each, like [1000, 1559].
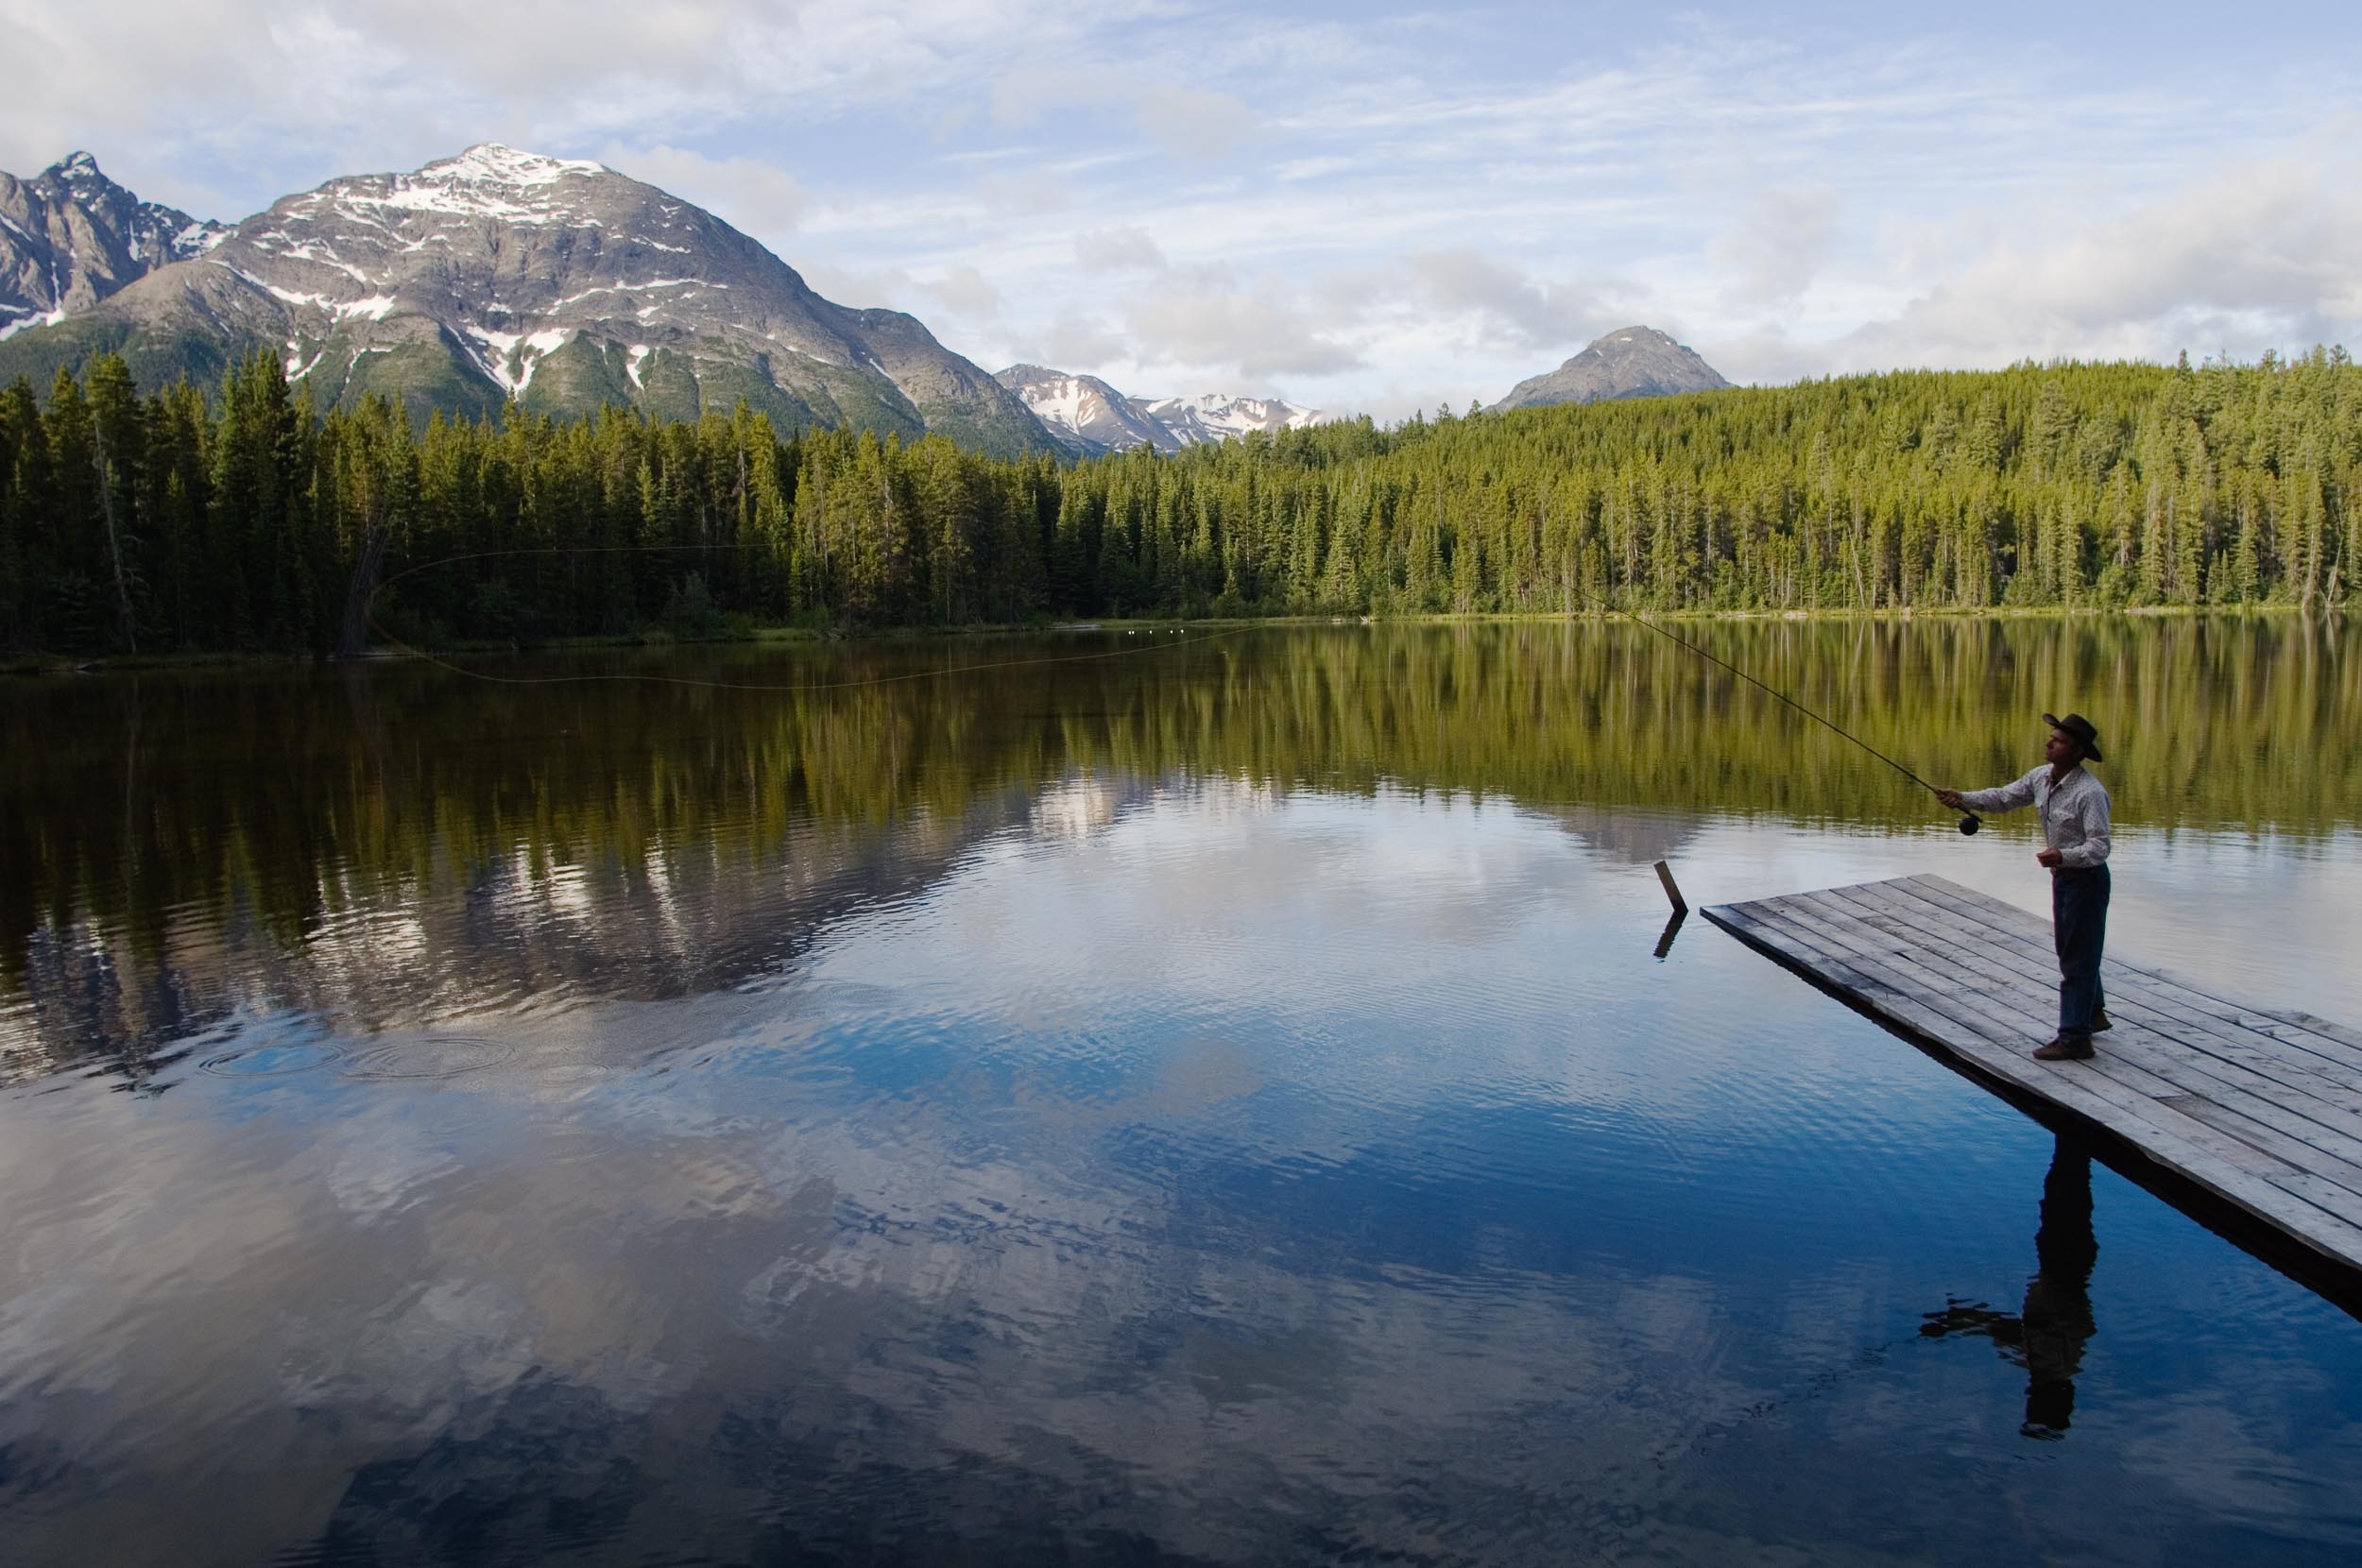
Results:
[2074, 811]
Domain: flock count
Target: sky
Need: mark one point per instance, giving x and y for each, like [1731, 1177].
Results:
[1371, 208]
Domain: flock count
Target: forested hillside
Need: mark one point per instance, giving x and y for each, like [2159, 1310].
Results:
[244, 521]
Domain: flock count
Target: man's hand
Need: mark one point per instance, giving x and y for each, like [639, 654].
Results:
[2050, 858]
[1950, 800]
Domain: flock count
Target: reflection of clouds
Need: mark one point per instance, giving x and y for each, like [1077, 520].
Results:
[1073, 807]
[471, 938]
[1271, 1176]
[745, 1212]
[1628, 837]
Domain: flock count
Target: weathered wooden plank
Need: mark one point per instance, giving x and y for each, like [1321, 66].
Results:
[1911, 973]
[2311, 1023]
[2172, 1004]
[1896, 979]
[2263, 1115]
[2293, 1079]
[1996, 968]
[2294, 1064]
[2285, 1198]
[2203, 1096]
[1741, 920]
[2337, 1190]
[2232, 1170]
[2321, 1026]
[2342, 1043]
[2286, 1195]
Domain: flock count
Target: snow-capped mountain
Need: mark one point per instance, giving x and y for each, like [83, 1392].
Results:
[563, 284]
[1218, 416]
[1085, 413]
[69, 237]
[1088, 416]
[1630, 362]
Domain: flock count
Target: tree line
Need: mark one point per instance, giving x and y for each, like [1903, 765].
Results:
[249, 520]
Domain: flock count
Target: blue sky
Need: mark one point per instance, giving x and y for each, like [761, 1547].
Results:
[1369, 208]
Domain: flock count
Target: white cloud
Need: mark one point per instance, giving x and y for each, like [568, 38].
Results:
[965, 291]
[750, 194]
[1411, 207]
[1783, 238]
[1208, 320]
[865, 288]
[1028, 194]
[1076, 344]
[1505, 309]
[1191, 122]
[2257, 255]
[1118, 250]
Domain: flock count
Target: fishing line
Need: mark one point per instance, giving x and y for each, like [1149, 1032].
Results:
[1970, 822]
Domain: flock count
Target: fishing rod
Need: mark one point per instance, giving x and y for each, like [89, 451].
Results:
[1970, 821]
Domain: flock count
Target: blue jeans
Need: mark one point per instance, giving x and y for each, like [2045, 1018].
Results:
[2079, 923]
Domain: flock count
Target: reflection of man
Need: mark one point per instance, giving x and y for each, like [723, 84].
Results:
[2050, 1331]
[2073, 811]
[2058, 1311]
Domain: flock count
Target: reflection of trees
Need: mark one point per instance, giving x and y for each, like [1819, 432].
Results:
[144, 821]
[2046, 1336]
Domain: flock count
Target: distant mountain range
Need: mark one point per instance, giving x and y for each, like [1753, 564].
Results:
[1087, 417]
[563, 286]
[501, 274]
[1632, 362]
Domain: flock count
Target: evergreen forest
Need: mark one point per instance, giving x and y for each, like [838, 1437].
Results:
[246, 519]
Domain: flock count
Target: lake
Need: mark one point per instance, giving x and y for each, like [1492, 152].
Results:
[1126, 1096]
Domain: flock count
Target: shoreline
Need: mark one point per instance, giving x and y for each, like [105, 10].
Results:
[37, 665]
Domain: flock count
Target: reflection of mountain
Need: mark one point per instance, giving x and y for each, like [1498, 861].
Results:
[493, 930]
[1628, 837]
[395, 844]
[497, 931]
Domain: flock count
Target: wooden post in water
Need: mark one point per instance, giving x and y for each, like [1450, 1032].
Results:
[1665, 875]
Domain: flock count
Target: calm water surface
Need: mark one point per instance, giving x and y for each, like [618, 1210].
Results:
[1220, 1102]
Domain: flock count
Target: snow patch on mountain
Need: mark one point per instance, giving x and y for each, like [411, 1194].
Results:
[493, 163]
[196, 238]
[510, 358]
[1089, 416]
[496, 259]
[1220, 416]
[1085, 415]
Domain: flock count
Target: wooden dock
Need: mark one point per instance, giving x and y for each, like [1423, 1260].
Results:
[2261, 1109]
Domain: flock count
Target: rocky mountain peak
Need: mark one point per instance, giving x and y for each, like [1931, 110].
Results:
[70, 237]
[1630, 362]
[1219, 415]
[1084, 413]
[489, 182]
[1088, 416]
[496, 163]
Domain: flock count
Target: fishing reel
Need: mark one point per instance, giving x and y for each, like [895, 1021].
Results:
[1969, 825]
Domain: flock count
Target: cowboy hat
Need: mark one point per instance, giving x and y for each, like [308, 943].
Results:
[2078, 729]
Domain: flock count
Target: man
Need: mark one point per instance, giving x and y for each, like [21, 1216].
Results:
[2074, 809]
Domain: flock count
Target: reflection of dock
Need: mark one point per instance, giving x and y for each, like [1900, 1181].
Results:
[2263, 1110]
